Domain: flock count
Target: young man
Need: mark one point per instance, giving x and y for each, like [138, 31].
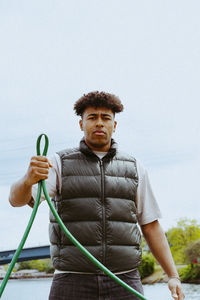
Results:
[101, 195]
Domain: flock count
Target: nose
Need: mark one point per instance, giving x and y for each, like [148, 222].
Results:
[99, 122]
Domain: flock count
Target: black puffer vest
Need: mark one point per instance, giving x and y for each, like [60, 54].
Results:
[98, 206]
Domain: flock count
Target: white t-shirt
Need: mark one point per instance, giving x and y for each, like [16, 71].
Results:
[147, 207]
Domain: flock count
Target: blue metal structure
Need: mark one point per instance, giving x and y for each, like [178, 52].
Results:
[26, 254]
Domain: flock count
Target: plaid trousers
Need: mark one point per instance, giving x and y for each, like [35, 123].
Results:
[69, 286]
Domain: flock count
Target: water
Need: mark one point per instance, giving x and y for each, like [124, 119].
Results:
[158, 290]
[38, 289]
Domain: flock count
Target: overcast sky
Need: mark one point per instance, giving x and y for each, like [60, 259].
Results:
[146, 52]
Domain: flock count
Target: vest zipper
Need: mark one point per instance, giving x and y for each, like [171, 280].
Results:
[103, 211]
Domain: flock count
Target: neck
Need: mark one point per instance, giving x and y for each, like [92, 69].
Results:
[99, 148]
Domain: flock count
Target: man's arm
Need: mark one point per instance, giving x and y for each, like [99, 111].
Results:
[21, 191]
[159, 247]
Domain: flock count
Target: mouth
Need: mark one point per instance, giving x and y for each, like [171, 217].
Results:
[99, 132]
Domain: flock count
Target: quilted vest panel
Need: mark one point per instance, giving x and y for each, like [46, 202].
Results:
[98, 206]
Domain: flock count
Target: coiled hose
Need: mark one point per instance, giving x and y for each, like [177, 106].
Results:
[42, 185]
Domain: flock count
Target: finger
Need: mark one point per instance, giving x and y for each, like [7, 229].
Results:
[37, 174]
[41, 171]
[40, 176]
[39, 158]
[174, 294]
[39, 164]
[180, 294]
[50, 165]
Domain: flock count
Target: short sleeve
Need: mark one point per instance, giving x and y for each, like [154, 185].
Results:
[53, 181]
[147, 206]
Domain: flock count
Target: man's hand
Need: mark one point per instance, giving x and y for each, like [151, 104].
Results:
[175, 287]
[21, 191]
[38, 170]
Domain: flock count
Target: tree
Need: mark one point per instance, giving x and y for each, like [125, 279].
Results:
[180, 237]
[193, 252]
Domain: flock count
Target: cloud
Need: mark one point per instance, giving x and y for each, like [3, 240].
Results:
[177, 192]
[148, 54]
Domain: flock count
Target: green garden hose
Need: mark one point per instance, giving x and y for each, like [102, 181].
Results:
[42, 185]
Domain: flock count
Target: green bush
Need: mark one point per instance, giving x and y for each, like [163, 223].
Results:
[24, 265]
[148, 265]
[42, 265]
[190, 272]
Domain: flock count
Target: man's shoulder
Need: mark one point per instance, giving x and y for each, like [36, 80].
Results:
[129, 157]
[68, 152]
[121, 155]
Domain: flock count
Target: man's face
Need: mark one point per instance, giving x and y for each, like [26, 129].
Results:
[98, 125]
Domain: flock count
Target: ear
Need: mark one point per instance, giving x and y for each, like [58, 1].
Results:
[115, 125]
[81, 124]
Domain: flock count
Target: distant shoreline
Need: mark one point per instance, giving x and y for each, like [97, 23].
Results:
[160, 277]
[29, 277]
[156, 277]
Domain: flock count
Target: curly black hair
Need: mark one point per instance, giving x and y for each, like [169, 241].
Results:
[98, 99]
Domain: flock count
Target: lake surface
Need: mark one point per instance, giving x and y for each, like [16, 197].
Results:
[38, 289]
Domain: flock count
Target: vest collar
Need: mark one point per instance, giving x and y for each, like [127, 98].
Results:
[111, 152]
